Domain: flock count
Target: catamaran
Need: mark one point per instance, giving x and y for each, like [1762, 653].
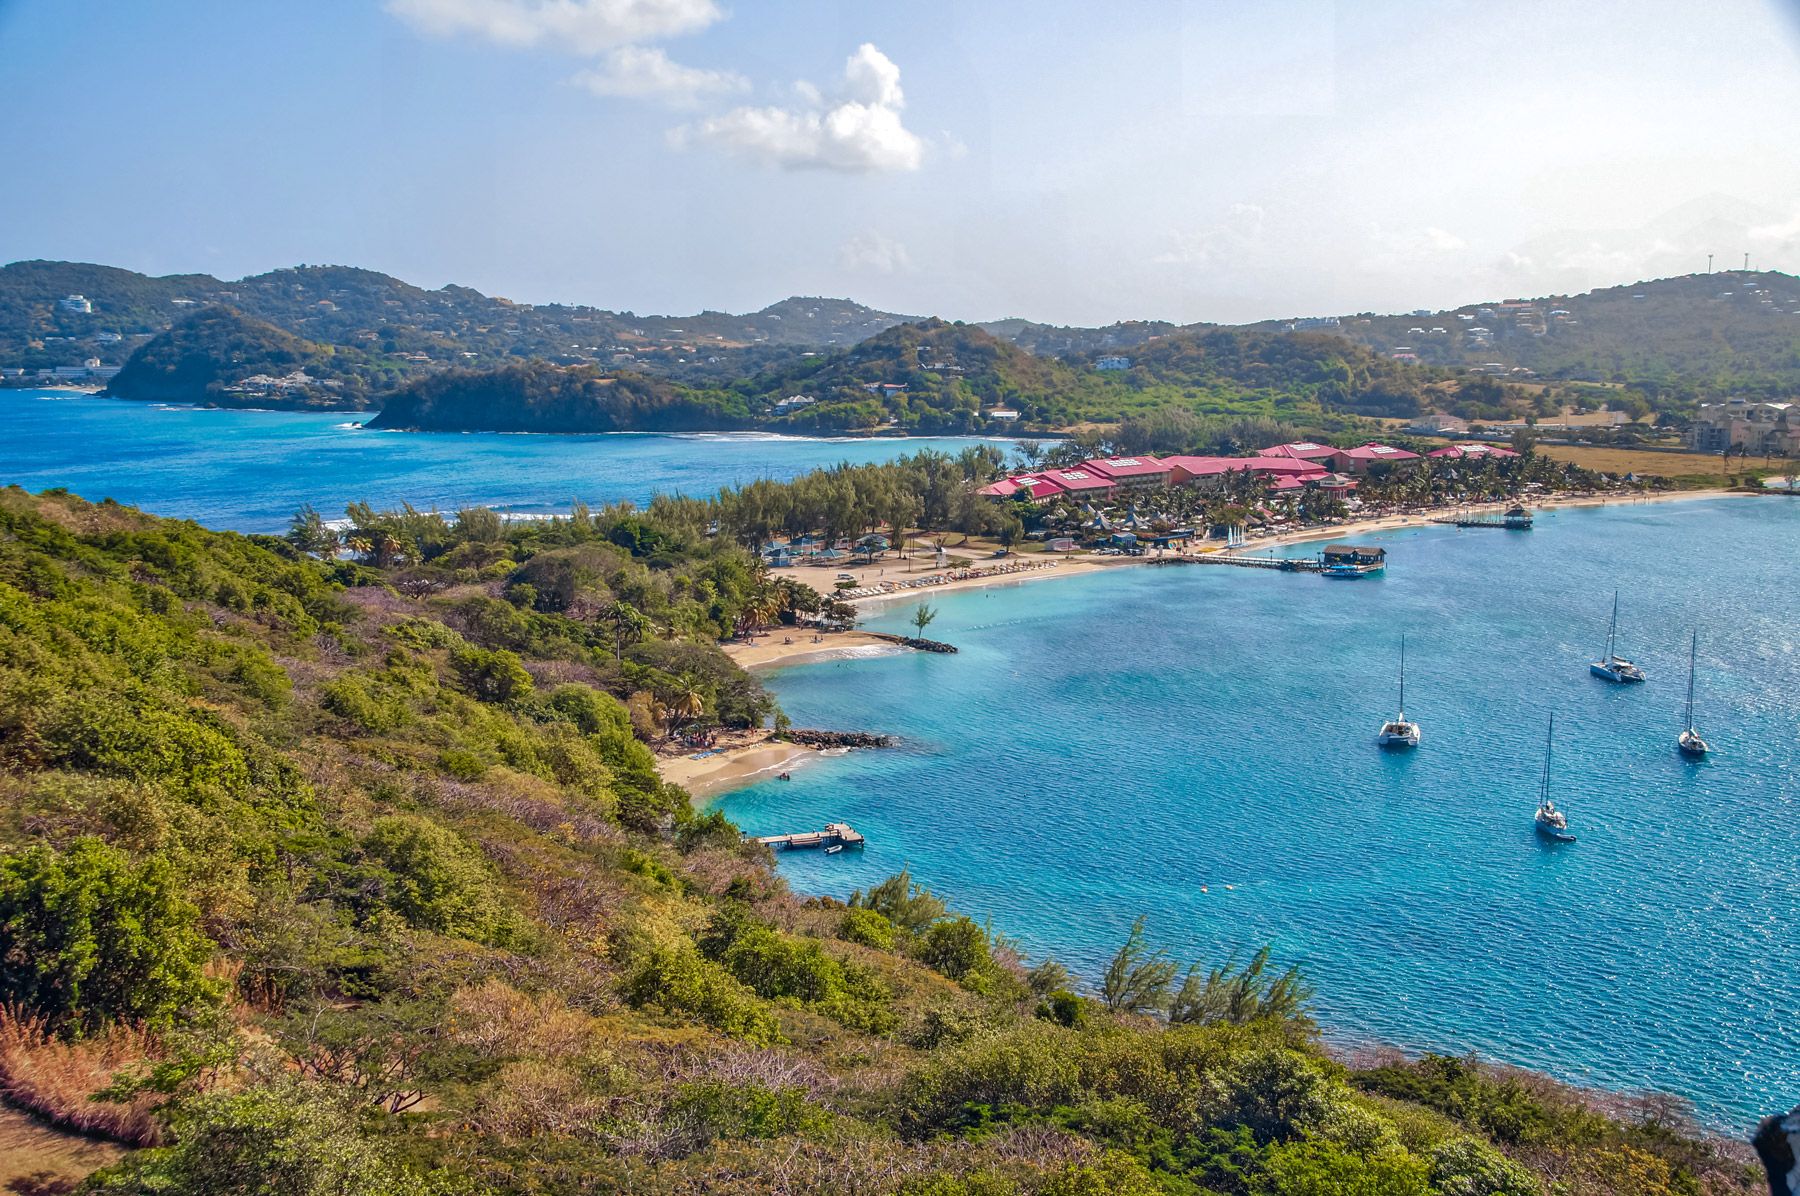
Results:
[1397, 732]
[1552, 823]
[1689, 742]
[1615, 668]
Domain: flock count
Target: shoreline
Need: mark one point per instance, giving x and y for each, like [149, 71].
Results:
[741, 761]
[744, 757]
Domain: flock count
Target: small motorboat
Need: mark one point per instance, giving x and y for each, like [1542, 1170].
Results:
[1613, 667]
[834, 849]
[1551, 823]
[1399, 731]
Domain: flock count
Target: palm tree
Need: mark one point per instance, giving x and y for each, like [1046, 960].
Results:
[922, 617]
[689, 703]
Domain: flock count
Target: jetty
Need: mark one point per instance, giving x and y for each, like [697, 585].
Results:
[835, 834]
[1515, 518]
[1245, 561]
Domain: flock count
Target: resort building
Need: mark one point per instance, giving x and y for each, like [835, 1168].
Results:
[1361, 459]
[1032, 487]
[1303, 450]
[1081, 481]
[1743, 425]
[1471, 451]
[1132, 473]
[76, 303]
[1113, 362]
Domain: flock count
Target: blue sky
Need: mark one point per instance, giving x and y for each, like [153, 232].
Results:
[1181, 159]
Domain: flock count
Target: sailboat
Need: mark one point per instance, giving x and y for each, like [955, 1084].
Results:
[1398, 732]
[1551, 822]
[1615, 668]
[1689, 742]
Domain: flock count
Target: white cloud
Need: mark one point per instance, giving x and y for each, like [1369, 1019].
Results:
[857, 131]
[876, 253]
[646, 73]
[578, 26]
[1241, 229]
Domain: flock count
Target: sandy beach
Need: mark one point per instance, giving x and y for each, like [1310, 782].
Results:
[741, 757]
[737, 759]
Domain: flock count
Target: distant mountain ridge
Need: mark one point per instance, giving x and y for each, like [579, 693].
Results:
[1676, 339]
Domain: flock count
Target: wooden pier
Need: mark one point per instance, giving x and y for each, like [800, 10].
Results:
[835, 834]
[1243, 561]
[1516, 519]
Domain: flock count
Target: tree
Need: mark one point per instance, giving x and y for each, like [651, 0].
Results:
[89, 935]
[1138, 979]
[309, 533]
[288, 1138]
[439, 882]
[1240, 995]
[922, 617]
[629, 625]
[491, 676]
[902, 902]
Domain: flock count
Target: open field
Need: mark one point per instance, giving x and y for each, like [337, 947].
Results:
[1691, 466]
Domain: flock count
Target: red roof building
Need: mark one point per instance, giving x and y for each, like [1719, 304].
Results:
[1459, 452]
[1131, 472]
[1080, 480]
[1300, 450]
[1359, 459]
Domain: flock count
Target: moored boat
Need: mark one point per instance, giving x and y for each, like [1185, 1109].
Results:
[1399, 731]
[1551, 823]
[1613, 667]
[1689, 743]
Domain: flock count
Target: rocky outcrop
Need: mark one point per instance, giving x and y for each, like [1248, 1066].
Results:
[836, 739]
[915, 643]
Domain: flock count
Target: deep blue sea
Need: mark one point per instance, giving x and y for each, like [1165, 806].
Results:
[251, 470]
[1196, 745]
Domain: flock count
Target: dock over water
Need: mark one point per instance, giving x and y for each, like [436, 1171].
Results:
[835, 834]
[1516, 519]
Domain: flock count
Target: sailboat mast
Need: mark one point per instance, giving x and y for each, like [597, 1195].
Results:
[1612, 628]
[1693, 656]
[1403, 678]
[1544, 787]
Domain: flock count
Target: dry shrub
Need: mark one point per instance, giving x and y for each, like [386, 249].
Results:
[532, 1097]
[497, 1019]
[739, 1065]
[54, 1079]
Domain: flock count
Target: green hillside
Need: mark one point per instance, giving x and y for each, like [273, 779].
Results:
[1698, 335]
[225, 358]
[357, 879]
[539, 397]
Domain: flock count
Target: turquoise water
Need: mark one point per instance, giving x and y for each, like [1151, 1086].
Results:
[250, 470]
[1107, 745]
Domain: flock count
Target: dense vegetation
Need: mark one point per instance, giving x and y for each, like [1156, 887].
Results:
[373, 312]
[1657, 346]
[355, 876]
[202, 355]
[539, 397]
[936, 377]
[1677, 340]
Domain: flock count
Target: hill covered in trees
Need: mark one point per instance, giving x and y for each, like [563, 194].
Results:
[355, 877]
[370, 311]
[225, 358]
[1699, 335]
[539, 397]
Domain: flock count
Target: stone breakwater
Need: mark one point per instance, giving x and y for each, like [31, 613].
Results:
[914, 642]
[836, 739]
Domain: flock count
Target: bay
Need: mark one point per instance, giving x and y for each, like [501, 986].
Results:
[1196, 745]
[251, 470]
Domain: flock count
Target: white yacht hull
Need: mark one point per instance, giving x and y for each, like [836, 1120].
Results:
[1408, 738]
